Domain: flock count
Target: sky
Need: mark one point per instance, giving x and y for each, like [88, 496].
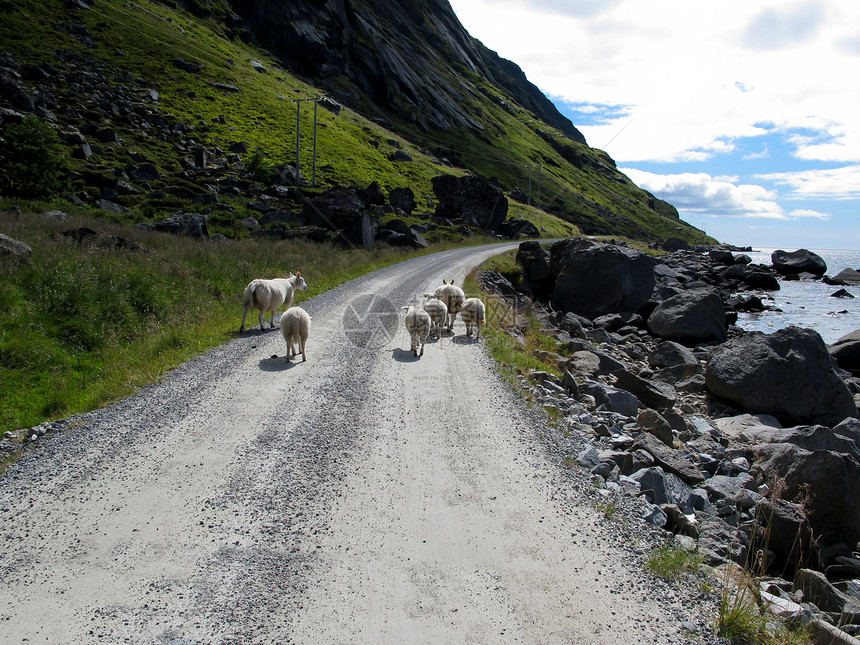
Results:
[743, 114]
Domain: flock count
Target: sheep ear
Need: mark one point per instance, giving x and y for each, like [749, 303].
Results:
[298, 274]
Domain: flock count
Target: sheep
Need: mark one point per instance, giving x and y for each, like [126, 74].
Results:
[473, 313]
[453, 298]
[268, 295]
[418, 325]
[438, 311]
[295, 327]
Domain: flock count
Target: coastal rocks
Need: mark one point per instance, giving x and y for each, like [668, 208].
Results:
[693, 316]
[846, 351]
[593, 278]
[827, 481]
[787, 374]
[797, 262]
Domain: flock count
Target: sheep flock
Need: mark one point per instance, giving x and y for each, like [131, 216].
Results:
[438, 312]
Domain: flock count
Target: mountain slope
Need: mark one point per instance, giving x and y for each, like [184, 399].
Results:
[426, 99]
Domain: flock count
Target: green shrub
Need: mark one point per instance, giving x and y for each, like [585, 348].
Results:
[31, 159]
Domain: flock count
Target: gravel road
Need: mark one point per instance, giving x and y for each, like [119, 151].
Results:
[364, 496]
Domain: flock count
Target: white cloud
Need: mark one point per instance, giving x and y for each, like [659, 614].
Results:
[690, 84]
[804, 212]
[701, 194]
[778, 28]
[832, 183]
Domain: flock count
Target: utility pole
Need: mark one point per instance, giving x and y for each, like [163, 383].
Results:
[298, 135]
[314, 172]
[530, 185]
[539, 177]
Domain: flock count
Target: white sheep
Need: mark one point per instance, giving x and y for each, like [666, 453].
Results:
[269, 295]
[473, 314]
[295, 328]
[418, 325]
[438, 311]
[453, 298]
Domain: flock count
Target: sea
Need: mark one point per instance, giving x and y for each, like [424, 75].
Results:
[808, 303]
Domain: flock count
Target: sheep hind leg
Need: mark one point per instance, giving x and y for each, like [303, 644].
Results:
[244, 315]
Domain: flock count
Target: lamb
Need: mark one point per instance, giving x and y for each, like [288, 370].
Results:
[438, 311]
[295, 327]
[473, 314]
[268, 295]
[453, 298]
[418, 325]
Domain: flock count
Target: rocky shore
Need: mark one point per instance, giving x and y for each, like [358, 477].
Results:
[742, 445]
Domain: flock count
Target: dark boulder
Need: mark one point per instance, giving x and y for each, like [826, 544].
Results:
[694, 316]
[402, 199]
[786, 532]
[537, 277]
[824, 482]
[761, 280]
[797, 262]
[514, 228]
[846, 351]
[788, 374]
[471, 199]
[671, 460]
[593, 278]
[190, 224]
[337, 208]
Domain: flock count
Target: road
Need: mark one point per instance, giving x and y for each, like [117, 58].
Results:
[364, 496]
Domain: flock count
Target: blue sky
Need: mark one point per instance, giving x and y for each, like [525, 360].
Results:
[744, 114]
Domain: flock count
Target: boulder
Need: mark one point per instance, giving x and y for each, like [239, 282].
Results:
[669, 459]
[846, 351]
[12, 250]
[693, 316]
[797, 262]
[593, 278]
[827, 484]
[653, 422]
[190, 224]
[402, 199]
[787, 534]
[472, 199]
[788, 374]
[337, 208]
[537, 277]
[846, 276]
[650, 393]
[514, 228]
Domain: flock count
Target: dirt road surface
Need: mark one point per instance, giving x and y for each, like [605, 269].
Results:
[364, 496]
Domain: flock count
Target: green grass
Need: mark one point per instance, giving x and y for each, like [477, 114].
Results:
[672, 562]
[80, 328]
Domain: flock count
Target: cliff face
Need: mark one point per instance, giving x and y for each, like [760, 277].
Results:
[411, 60]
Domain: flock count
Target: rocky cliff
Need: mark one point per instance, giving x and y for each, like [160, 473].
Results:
[412, 60]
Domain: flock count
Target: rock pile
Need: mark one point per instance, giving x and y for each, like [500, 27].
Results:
[743, 445]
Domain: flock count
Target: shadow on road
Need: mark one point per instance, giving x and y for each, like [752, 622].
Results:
[277, 364]
[404, 355]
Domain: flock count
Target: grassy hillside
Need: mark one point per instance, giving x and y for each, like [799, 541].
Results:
[136, 44]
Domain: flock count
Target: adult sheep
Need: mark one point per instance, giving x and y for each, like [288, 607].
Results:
[453, 298]
[438, 311]
[269, 295]
[418, 325]
[473, 314]
[295, 328]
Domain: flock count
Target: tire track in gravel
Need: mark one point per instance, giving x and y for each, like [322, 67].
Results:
[361, 497]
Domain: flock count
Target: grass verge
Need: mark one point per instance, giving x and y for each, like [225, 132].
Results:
[82, 325]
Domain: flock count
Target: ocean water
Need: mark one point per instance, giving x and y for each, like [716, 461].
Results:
[808, 304]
